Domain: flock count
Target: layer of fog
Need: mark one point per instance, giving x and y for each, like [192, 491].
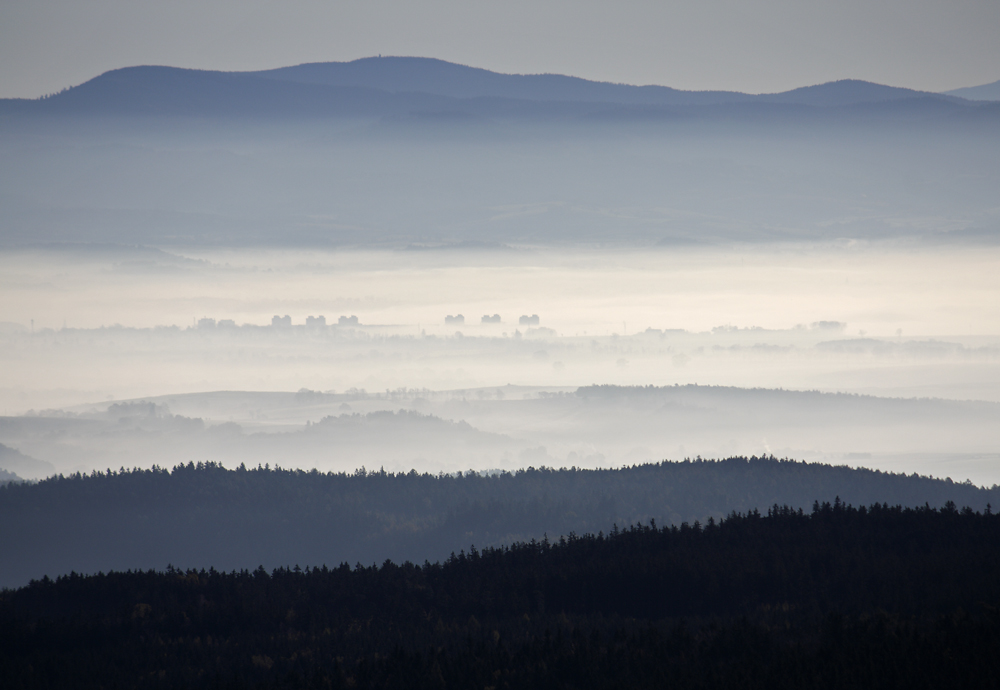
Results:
[86, 328]
[508, 427]
[763, 252]
[884, 320]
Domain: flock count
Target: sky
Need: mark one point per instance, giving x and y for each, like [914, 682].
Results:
[746, 45]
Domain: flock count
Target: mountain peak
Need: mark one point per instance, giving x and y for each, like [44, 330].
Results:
[984, 92]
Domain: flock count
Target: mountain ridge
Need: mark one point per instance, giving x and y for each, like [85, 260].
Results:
[983, 92]
[405, 87]
[430, 75]
[205, 515]
[472, 82]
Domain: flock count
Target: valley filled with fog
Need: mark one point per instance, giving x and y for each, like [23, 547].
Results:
[331, 371]
[900, 339]
[302, 269]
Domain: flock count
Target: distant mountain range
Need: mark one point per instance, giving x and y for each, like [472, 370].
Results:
[402, 86]
[426, 75]
[985, 92]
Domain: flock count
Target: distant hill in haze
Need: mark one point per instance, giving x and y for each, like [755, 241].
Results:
[152, 90]
[984, 92]
[381, 87]
[306, 155]
[843, 93]
[15, 465]
[427, 75]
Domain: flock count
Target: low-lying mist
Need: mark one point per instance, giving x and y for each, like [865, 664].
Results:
[443, 287]
[885, 319]
[507, 428]
[392, 377]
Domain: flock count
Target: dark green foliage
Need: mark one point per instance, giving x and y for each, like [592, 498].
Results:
[204, 515]
[839, 597]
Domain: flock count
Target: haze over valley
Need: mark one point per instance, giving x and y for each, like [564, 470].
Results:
[407, 265]
[499, 345]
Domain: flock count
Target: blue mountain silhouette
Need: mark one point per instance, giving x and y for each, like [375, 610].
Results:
[424, 87]
[172, 91]
[983, 92]
[428, 75]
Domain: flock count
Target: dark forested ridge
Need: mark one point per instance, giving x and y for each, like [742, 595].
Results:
[832, 598]
[205, 515]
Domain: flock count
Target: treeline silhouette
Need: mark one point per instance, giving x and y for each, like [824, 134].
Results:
[832, 598]
[201, 515]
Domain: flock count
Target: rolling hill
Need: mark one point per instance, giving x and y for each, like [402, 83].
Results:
[983, 92]
[393, 87]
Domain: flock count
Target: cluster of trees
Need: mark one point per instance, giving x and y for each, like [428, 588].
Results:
[837, 597]
[201, 515]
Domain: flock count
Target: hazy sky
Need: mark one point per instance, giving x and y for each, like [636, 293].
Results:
[746, 45]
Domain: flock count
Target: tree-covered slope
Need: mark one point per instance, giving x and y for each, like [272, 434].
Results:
[204, 515]
[837, 597]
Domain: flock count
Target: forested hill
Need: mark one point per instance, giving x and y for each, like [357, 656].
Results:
[833, 598]
[205, 515]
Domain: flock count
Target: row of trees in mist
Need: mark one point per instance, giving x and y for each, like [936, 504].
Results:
[203, 514]
[834, 597]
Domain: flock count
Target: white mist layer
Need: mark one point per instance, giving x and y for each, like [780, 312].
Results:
[753, 317]
[891, 320]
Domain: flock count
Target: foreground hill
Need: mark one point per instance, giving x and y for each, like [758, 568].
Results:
[836, 598]
[204, 515]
